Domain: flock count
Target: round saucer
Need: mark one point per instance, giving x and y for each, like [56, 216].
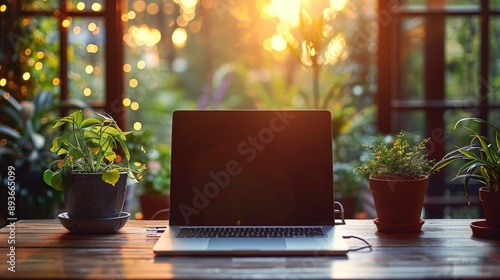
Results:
[481, 230]
[106, 225]
[400, 228]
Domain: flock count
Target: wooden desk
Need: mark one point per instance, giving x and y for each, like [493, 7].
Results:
[445, 249]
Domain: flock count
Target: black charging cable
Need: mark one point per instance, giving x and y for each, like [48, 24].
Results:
[367, 246]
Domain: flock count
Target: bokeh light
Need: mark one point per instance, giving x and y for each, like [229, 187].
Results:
[179, 37]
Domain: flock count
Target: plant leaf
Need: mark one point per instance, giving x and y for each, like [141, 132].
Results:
[8, 131]
[62, 151]
[47, 177]
[90, 122]
[77, 116]
[56, 180]
[110, 155]
[65, 138]
[111, 177]
[75, 154]
[63, 121]
[56, 144]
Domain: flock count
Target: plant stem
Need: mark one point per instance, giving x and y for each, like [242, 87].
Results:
[315, 72]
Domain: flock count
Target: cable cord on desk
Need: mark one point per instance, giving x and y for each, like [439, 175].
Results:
[367, 246]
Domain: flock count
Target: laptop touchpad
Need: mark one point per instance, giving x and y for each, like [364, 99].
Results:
[246, 244]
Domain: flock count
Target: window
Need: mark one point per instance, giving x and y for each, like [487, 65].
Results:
[438, 62]
[187, 54]
[72, 48]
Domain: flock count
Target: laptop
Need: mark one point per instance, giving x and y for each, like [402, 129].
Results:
[252, 183]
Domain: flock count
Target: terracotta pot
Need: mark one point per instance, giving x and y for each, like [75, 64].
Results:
[87, 196]
[491, 207]
[152, 203]
[398, 201]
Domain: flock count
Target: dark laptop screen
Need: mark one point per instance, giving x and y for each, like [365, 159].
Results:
[251, 168]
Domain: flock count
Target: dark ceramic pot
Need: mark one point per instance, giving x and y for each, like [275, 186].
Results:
[398, 201]
[491, 207]
[87, 196]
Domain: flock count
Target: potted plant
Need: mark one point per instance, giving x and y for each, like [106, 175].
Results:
[398, 176]
[92, 172]
[481, 162]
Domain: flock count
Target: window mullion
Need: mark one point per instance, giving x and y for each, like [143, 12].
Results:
[484, 63]
[63, 55]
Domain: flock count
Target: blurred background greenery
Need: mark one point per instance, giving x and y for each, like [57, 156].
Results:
[216, 54]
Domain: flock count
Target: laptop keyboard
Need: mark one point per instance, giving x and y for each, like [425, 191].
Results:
[261, 232]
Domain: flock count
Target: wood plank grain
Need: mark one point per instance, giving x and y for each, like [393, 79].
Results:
[444, 249]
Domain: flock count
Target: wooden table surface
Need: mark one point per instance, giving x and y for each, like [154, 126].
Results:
[444, 249]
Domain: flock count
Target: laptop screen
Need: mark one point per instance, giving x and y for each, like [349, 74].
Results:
[251, 167]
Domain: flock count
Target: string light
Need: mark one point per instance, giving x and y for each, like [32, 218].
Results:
[134, 106]
[66, 23]
[126, 102]
[38, 66]
[87, 92]
[89, 69]
[133, 83]
[80, 6]
[179, 37]
[141, 64]
[26, 76]
[96, 7]
[127, 68]
[137, 126]
[91, 26]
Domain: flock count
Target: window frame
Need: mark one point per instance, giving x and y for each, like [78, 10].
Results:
[434, 104]
[114, 53]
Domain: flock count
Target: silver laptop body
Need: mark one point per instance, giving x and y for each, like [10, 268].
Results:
[251, 182]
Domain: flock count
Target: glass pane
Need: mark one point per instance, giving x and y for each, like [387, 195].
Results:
[410, 121]
[37, 5]
[440, 3]
[86, 5]
[39, 50]
[407, 3]
[86, 59]
[458, 136]
[494, 118]
[494, 79]
[495, 4]
[412, 38]
[462, 58]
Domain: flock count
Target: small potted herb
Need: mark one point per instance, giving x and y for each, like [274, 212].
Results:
[398, 175]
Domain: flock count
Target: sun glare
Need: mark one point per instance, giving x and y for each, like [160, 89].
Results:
[336, 50]
[278, 42]
[286, 10]
[338, 5]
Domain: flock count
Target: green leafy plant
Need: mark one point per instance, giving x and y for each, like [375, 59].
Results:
[158, 179]
[157, 157]
[481, 158]
[398, 159]
[26, 125]
[90, 145]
